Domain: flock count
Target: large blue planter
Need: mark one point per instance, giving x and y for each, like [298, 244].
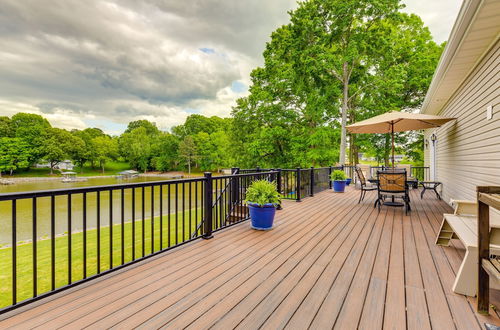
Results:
[339, 185]
[262, 217]
[348, 181]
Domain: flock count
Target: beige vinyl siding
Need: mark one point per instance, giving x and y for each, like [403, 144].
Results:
[468, 149]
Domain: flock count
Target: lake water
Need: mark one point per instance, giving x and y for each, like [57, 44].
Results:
[179, 197]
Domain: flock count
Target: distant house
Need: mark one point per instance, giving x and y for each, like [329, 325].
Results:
[465, 153]
[66, 165]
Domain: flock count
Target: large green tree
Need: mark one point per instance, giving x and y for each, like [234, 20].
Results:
[337, 61]
[14, 154]
[58, 145]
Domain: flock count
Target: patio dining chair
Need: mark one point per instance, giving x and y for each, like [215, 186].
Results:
[364, 186]
[393, 183]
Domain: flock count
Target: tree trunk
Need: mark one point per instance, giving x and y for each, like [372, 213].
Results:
[345, 98]
[387, 150]
[189, 167]
[102, 165]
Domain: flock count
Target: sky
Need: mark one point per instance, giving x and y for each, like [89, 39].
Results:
[104, 63]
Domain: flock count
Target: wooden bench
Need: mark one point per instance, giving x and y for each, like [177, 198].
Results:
[462, 225]
[488, 199]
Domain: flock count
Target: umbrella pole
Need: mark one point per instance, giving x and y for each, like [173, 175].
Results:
[392, 133]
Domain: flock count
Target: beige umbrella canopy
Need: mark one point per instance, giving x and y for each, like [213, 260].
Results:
[396, 121]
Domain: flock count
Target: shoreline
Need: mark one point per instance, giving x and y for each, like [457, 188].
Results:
[169, 175]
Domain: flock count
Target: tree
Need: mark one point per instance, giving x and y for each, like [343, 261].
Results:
[188, 151]
[14, 154]
[31, 129]
[136, 147]
[150, 127]
[166, 151]
[106, 149]
[59, 144]
[6, 129]
[362, 57]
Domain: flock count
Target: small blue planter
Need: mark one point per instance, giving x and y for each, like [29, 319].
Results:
[262, 217]
[348, 181]
[339, 185]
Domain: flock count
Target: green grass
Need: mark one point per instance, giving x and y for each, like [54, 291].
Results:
[25, 254]
[111, 168]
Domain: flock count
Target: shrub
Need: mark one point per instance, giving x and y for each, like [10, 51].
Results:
[337, 175]
[262, 192]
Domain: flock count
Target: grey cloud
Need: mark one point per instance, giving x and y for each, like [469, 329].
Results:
[120, 59]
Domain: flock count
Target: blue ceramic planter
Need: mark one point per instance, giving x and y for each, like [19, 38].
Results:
[348, 181]
[339, 185]
[262, 217]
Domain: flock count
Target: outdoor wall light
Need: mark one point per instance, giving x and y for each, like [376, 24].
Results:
[433, 138]
[426, 144]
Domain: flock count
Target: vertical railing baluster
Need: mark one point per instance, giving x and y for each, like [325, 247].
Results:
[34, 242]
[161, 217]
[189, 206]
[14, 251]
[110, 229]
[122, 210]
[98, 220]
[84, 215]
[143, 215]
[202, 206]
[133, 223]
[152, 219]
[183, 212]
[168, 216]
[176, 214]
[69, 241]
[196, 206]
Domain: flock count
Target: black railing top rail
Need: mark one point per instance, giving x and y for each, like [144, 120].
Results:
[81, 190]
[244, 175]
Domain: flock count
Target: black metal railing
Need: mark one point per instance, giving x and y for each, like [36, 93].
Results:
[52, 240]
[422, 173]
[57, 238]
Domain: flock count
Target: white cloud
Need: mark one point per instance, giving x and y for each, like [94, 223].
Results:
[438, 15]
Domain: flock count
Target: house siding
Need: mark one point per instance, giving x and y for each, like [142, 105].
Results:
[468, 149]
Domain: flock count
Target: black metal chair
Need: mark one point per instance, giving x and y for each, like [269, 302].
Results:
[364, 186]
[393, 183]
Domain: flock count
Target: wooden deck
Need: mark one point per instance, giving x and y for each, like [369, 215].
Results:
[329, 262]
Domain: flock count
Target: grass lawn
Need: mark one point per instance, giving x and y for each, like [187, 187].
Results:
[171, 235]
[111, 168]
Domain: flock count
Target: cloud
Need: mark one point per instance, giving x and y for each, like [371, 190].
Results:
[439, 16]
[107, 62]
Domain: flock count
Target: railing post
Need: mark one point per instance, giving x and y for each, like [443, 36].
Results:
[330, 170]
[297, 188]
[257, 169]
[483, 247]
[207, 232]
[278, 185]
[311, 192]
[234, 185]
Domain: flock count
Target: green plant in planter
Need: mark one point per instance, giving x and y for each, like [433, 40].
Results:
[263, 192]
[338, 175]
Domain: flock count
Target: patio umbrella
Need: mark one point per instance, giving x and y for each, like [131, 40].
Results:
[396, 121]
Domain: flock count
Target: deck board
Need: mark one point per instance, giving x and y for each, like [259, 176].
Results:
[329, 262]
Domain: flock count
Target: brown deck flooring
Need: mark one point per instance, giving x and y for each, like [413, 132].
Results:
[329, 262]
